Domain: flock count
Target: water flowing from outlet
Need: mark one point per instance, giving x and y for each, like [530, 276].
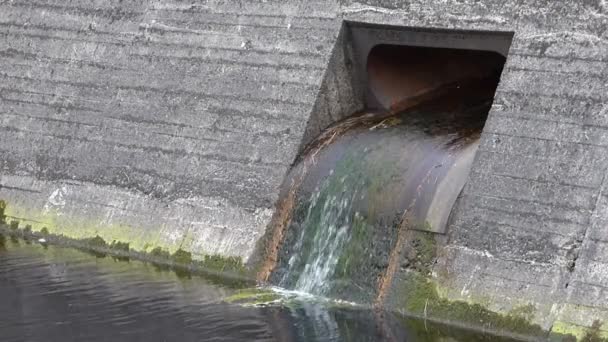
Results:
[363, 185]
[365, 177]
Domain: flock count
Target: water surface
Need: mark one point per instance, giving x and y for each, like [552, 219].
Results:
[61, 294]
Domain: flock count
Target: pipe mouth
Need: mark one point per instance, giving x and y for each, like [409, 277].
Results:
[400, 77]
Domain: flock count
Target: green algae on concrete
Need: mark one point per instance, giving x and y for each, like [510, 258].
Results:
[419, 295]
[2, 212]
[159, 252]
[121, 246]
[97, 242]
[253, 296]
[125, 240]
[79, 228]
[355, 251]
[568, 332]
[182, 257]
[182, 260]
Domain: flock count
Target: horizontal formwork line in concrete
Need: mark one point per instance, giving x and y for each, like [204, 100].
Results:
[534, 206]
[532, 84]
[148, 73]
[55, 106]
[139, 120]
[211, 134]
[17, 188]
[529, 230]
[542, 183]
[506, 220]
[589, 73]
[530, 233]
[531, 147]
[321, 9]
[557, 62]
[35, 83]
[292, 45]
[129, 112]
[571, 97]
[126, 62]
[513, 280]
[524, 189]
[547, 218]
[116, 12]
[253, 63]
[539, 181]
[566, 58]
[585, 283]
[147, 149]
[255, 177]
[25, 56]
[583, 170]
[244, 196]
[50, 119]
[239, 145]
[156, 26]
[483, 254]
[28, 47]
[564, 132]
[123, 110]
[576, 113]
[552, 151]
[111, 12]
[154, 44]
[135, 43]
[579, 52]
[234, 22]
[531, 117]
[221, 21]
[541, 139]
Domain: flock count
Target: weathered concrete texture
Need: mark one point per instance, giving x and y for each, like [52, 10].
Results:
[530, 223]
[192, 113]
[178, 119]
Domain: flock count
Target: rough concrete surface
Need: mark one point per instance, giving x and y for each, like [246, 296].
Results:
[181, 119]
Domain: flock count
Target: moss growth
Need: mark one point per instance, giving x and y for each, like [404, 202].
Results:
[2, 212]
[80, 230]
[255, 296]
[27, 230]
[424, 226]
[419, 296]
[356, 251]
[221, 264]
[568, 332]
[421, 251]
[594, 333]
[182, 257]
[14, 225]
[160, 253]
[97, 242]
[120, 246]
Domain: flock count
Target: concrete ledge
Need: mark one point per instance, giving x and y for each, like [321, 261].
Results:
[201, 225]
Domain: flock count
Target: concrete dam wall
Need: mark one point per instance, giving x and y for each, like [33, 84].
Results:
[173, 125]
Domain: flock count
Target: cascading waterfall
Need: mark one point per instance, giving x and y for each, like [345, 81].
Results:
[357, 188]
[366, 180]
[327, 224]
